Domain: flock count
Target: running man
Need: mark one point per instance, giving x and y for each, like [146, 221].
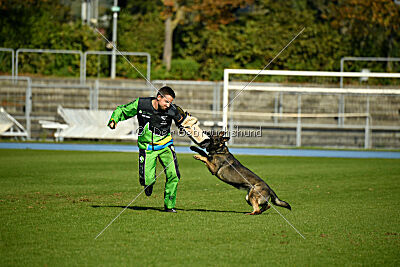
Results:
[155, 115]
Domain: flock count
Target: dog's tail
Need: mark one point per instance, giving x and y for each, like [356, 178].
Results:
[198, 150]
[276, 201]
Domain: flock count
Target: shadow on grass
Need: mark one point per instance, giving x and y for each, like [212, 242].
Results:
[162, 210]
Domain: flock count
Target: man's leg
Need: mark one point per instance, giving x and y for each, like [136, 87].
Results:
[147, 169]
[171, 169]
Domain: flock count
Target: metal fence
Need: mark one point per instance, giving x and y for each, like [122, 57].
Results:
[285, 118]
[140, 54]
[82, 58]
[49, 51]
[17, 98]
[365, 59]
[305, 112]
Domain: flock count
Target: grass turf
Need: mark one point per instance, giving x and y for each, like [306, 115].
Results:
[53, 204]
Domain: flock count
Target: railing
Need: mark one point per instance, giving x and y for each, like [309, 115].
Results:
[83, 58]
[28, 100]
[144, 54]
[367, 127]
[273, 117]
[299, 90]
[48, 51]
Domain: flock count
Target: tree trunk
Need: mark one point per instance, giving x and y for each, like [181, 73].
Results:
[170, 25]
[167, 56]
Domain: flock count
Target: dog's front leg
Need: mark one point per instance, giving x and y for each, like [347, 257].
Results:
[211, 166]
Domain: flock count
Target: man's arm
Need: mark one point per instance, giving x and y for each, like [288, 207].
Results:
[123, 112]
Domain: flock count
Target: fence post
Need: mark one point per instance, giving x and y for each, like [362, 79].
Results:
[231, 127]
[276, 108]
[367, 140]
[96, 95]
[341, 96]
[82, 81]
[298, 128]
[148, 69]
[12, 64]
[341, 110]
[28, 107]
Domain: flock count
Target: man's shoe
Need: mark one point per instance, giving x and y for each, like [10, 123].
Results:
[148, 190]
[170, 210]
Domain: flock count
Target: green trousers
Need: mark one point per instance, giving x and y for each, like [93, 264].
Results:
[147, 171]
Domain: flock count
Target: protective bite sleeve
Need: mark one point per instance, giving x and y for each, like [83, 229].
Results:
[191, 126]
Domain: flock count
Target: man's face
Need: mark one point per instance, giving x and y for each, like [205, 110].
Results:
[164, 102]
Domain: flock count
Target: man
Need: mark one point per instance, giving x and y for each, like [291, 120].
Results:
[155, 115]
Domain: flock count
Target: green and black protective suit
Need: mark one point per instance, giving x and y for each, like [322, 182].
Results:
[154, 141]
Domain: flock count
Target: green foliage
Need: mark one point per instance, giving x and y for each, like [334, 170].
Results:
[256, 38]
[5, 62]
[71, 36]
[258, 32]
[185, 69]
[141, 33]
[45, 25]
[181, 69]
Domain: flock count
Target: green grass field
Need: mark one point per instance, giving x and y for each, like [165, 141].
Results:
[53, 204]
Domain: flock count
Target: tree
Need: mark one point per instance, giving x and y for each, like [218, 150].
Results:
[173, 14]
[258, 34]
[372, 26]
[47, 25]
[210, 12]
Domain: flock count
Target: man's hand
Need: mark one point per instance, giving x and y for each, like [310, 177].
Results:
[112, 125]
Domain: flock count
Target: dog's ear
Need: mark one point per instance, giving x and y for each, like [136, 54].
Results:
[225, 139]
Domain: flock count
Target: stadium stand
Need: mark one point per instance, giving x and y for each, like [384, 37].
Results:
[10, 127]
[89, 124]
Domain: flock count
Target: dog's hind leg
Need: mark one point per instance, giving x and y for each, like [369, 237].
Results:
[254, 202]
[264, 202]
[265, 207]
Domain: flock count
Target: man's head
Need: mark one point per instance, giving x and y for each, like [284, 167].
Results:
[165, 96]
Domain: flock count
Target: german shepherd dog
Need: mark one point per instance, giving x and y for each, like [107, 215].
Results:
[221, 163]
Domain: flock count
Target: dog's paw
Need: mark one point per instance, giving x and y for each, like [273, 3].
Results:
[198, 157]
[254, 213]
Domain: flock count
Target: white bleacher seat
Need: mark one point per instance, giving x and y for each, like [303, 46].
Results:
[54, 125]
[90, 124]
[10, 126]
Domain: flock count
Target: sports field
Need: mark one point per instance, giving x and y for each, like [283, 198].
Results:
[53, 205]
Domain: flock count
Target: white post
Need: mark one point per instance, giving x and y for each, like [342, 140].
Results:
[276, 108]
[83, 12]
[298, 128]
[114, 38]
[367, 141]
[28, 107]
[96, 95]
[225, 101]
